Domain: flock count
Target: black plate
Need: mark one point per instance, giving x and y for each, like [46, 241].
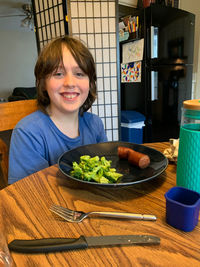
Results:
[131, 174]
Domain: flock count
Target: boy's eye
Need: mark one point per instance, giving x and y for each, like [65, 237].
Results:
[80, 73]
[58, 73]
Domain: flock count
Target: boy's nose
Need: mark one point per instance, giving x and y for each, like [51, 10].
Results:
[69, 79]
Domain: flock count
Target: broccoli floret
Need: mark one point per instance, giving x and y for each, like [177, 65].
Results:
[95, 169]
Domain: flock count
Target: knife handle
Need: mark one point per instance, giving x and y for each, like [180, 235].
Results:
[47, 245]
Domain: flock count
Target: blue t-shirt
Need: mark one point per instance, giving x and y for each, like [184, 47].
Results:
[37, 143]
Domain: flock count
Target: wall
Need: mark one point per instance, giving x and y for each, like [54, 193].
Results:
[193, 6]
[18, 53]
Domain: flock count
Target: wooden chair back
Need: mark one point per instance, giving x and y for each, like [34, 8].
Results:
[10, 114]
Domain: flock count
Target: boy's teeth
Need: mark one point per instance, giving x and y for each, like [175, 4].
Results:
[70, 96]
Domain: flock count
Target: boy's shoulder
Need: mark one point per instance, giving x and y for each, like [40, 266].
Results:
[92, 120]
[33, 119]
[89, 115]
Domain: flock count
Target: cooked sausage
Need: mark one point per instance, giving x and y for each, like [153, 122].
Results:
[123, 152]
[139, 159]
[136, 158]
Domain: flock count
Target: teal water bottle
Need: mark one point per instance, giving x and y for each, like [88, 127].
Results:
[188, 163]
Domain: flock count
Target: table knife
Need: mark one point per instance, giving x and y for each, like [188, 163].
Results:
[61, 244]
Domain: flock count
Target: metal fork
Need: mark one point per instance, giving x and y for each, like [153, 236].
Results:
[79, 216]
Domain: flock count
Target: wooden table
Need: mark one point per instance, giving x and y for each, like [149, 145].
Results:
[25, 213]
[3, 164]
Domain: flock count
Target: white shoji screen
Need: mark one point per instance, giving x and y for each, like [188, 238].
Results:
[49, 20]
[94, 22]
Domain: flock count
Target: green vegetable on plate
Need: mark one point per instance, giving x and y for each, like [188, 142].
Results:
[95, 169]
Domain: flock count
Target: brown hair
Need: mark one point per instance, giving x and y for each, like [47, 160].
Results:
[49, 60]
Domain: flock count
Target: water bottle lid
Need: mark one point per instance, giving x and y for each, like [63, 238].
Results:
[193, 104]
[192, 109]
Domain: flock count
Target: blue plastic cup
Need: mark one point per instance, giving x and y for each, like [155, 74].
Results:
[182, 208]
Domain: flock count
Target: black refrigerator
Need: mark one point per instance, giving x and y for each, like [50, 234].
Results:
[167, 69]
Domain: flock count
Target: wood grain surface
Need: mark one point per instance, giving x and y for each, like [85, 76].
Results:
[25, 215]
[12, 112]
[3, 164]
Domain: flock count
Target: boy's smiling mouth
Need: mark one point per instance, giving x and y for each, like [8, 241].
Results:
[70, 95]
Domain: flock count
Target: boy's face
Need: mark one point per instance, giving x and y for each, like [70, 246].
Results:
[67, 87]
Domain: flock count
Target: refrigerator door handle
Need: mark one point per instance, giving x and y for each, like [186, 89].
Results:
[154, 85]
[154, 42]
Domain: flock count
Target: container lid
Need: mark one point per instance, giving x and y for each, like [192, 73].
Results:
[131, 116]
[192, 104]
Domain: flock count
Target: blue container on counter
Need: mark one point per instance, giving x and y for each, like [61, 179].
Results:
[182, 208]
[132, 123]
